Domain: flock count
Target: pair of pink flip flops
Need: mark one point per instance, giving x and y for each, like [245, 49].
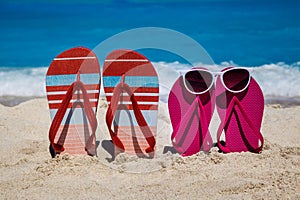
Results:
[132, 92]
[240, 104]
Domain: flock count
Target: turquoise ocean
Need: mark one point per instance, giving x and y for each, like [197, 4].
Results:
[260, 34]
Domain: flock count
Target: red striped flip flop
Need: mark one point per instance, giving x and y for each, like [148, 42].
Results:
[132, 91]
[73, 85]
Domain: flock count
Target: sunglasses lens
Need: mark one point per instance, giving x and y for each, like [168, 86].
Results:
[236, 79]
[198, 81]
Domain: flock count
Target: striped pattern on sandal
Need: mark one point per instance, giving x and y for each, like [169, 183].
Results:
[75, 129]
[138, 74]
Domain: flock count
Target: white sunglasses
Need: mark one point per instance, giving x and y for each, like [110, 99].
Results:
[199, 81]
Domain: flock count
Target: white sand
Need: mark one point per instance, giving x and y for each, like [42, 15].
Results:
[28, 171]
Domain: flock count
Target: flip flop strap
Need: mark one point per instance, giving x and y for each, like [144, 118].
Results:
[111, 111]
[257, 132]
[182, 126]
[57, 120]
[207, 141]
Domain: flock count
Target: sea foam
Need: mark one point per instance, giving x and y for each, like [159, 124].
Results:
[278, 80]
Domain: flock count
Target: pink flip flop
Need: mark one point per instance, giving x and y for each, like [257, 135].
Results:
[132, 91]
[73, 85]
[190, 116]
[241, 117]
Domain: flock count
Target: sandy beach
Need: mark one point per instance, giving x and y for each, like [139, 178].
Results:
[28, 171]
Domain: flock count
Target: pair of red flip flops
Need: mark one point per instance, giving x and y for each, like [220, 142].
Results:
[240, 105]
[73, 87]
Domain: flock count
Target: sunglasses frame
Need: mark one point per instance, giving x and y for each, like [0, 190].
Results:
[214, 77]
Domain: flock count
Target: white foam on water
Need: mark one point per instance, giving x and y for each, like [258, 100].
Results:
[276, 80]
[28, 81]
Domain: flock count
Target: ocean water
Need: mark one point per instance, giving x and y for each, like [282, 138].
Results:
[259, 34]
